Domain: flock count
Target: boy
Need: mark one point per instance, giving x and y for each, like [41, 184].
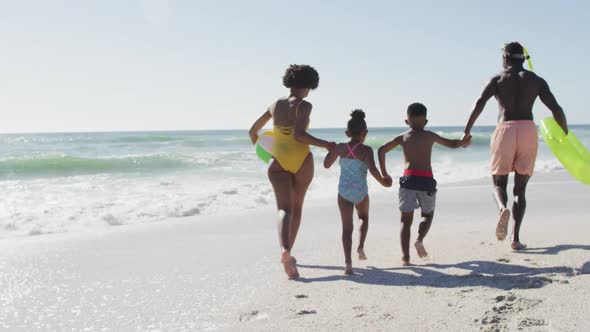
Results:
[417, 185]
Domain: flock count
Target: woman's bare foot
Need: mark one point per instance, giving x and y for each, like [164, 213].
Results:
[348, 269]
[422, 253]
[362, 256]
[289, 265]
[517, 245]
[502, 227]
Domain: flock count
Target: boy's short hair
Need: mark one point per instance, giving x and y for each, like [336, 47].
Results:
[416, 110]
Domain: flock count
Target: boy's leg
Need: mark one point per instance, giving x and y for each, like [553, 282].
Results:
[423, 229]
[501, 197]
[346, 211]
[519, 207]
[406, 220]
[362, 209]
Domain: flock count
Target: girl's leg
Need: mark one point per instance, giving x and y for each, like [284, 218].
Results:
[346, 210]
[302, 181]
[362, 209]
[282, 183]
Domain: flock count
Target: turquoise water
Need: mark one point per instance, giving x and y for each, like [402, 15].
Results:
[68, 181]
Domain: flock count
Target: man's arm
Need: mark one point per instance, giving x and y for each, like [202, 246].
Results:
[549, 100]
[488, 92]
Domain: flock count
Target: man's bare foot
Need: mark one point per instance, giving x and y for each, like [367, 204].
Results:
[502, 227]
[517, 245]
[422, 253]
[289, 265]
[362, 256]
[348, 269]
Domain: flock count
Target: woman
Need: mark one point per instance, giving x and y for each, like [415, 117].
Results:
[291, 170]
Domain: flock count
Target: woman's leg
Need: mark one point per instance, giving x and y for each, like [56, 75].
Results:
[282, 183]
[302, 180]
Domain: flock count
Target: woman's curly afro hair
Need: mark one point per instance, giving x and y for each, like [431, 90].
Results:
[301, 77]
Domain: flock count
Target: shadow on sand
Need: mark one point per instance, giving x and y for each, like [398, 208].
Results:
[466, 274]
[553, 250]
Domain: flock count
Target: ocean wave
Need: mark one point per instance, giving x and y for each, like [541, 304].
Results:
[64, 165]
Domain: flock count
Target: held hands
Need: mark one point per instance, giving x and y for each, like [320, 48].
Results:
[387, 181]
[330, 146]
[466, 140]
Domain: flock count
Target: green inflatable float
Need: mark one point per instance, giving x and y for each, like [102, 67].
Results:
[568, 149]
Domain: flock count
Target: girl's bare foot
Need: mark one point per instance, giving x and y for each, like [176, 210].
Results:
[517, 245]
[502, 227]
[422, 253]
[348, 269]
[362, 256]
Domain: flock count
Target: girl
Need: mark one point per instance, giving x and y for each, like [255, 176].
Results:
[355, 159]
[291, 170]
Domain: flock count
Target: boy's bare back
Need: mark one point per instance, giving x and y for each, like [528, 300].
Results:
[417, 147]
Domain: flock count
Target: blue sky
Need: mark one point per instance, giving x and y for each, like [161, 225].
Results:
[161, 65]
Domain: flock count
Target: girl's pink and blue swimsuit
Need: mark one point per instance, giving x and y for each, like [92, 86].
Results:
[353, 178]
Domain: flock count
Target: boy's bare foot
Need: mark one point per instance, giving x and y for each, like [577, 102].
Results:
[362, 256]
[405, 262]
[289, 265]
[502, 227]
[422, 253]
[348, 269]
[517, 245]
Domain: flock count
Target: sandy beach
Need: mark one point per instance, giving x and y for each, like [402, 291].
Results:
[223, 272]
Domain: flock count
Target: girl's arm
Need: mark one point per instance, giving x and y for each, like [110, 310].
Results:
[258, 125]
[452, 143]
[301, 134]
[385, 149]
[370, 160]
[331, 157]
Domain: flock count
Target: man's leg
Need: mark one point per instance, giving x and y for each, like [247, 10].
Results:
[501, 197]
[519, 207]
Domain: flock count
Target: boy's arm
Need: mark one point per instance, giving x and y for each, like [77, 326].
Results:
[488, 92]
[452, 143]
[370, 160]
[331, 157]
[301, 134]
[258, 125]
[384, 150]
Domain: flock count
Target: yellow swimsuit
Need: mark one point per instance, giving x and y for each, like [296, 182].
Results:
[286, 150]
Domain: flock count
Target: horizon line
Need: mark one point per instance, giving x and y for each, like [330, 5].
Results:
[210, 130]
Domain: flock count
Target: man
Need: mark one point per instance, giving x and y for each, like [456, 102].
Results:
[514, 142]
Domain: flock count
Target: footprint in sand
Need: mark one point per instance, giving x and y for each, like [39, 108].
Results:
[503, 260]
[306, 312]
[530, 322]
[300, 296]
[360, 311]
[252, 315]
[505, 307]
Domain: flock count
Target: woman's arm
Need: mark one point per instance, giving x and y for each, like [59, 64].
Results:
[301, 134]
[258, 125]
